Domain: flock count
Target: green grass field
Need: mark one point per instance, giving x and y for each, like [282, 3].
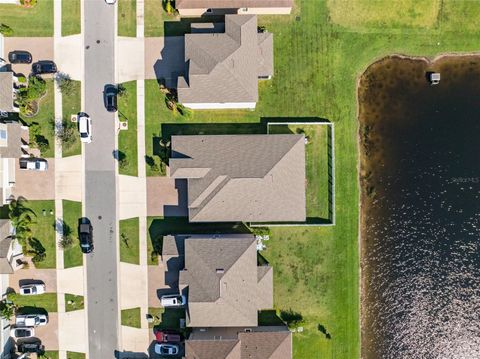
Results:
[131, 317]
[73, 302]
[36, 21]
[155, 17]
[127, 139]
[50, 354]
[71, 105]
[129, 241]
[71, 17]
[72, 211]
[127, 18]
[35, 303]
[75, 355]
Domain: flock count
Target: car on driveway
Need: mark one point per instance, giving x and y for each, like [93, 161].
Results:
[173, 300]
[32, 289]
[33, 164]
[20, 57]
[30, 346]
[110, 98]
[84, 127]
[19, 333]
[44, 67]
[166, 349]
[166, 336]
[85, 232]
[31, 320]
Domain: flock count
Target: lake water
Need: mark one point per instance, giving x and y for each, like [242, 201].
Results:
[420, 177]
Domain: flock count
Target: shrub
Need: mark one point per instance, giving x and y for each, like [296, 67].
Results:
[6, 30]
[184, 111]
[39, 257]
[36, 87]
[42, 143]
[121, 90]
[66, 242]
[7, 309]
[22, 79]
[67, 133]
[28, 3]
[65, 84]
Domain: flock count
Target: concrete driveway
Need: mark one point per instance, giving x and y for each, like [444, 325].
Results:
[32, 275]
[49, 333]
[41, 48]
[164, 58]
[166, 197]
[35, 185]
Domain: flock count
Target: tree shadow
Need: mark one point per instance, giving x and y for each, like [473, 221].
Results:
[269, 318]
[324, 331]
[31, 310]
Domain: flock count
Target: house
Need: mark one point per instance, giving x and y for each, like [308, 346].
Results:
[224, 285]
[222, 69]
[216, 7]
[242, 178]
[10, 250]
[7, 93]
[273, 342]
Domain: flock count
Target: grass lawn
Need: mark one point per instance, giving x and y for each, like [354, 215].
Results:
[50, 354]
[45, 114]
[155, 17]
[131, 317]
[127, 139]
[72, 211]
[75, 355]
[127, 18]
[43, 230]
[32, 303]
[25, 22]
[71, 105]
[129, 241]
[73, 302]
[156, 313]
[71, 17]
[166, 318]
[320, 50]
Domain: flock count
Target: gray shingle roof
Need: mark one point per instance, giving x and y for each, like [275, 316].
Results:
[5, 244]
[15, 134]
[224, 67]
[221, 274]
[6, 91]
[247, 178]
[231, 4]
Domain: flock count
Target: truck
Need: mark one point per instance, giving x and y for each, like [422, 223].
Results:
[31, 320]
[33, 164]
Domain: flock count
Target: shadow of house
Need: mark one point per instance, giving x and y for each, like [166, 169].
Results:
[180, 210]
[172, 64]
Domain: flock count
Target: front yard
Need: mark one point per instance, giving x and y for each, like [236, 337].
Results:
[127, 139]
[26, 22]
[71, 17]
[72, 211]
[71, 105]
[35, 303]
[129, 241]
[127, 18]
[43, 232]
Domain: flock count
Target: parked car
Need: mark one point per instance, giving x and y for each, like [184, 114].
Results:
[44, 67]
[32, 289]
[18, 333]
[20, 57]
[31, 347]
[164, 336]
[173, 300]
[85, 231]
[111, 2]
[166, 349]
[31, 320]
[110, 98]
[85, 127]
[33, 164]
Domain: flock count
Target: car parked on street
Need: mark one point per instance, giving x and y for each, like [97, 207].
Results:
[31, 320]
[32, 289]
[85, 233]
[20, 57]
[173, 300]
[33, 164]
[84, 127]
[110, 98]
[30, 346]
[44, 67]
[166, 336]
[166, 349]
[19, 333]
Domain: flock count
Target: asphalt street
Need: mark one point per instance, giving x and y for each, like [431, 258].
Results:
[100, 181]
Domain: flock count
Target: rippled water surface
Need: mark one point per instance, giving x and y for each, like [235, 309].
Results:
[420, 177]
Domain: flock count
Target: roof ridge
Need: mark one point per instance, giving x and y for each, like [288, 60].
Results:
[283, 157]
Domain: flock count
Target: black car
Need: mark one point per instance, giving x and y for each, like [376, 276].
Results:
[31, 347]
[44, 67]
[110, 97]
[20, 57]
[85, 233]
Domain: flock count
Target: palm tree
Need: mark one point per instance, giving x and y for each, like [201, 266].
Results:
[21, 217]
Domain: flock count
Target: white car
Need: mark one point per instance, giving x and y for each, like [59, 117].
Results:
[31, 320]
[173, 300]
[166, 349]
[33, 164]
[32, 289]
[111, 2]
[20, 333]
[84, 127]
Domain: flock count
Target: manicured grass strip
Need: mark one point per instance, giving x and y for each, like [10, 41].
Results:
[127, 17]
[43, 230]
[50, 354]
[129, 241]
[71, 105]
[73, 302]
[127, 139]
[131, 317]
[43, 119]
[72, 211]
[70, 17]
[155, 16]
[29, 22]
[75, 355]
[30, 303]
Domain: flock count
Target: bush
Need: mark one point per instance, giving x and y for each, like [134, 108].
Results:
[7, 309]
[22, 79]
[42, 143]
[39, 257]
[65, 84]
[67, 133]
[37, 87]
[121, 91]
[28, 3]
[184, 111]
[66, 242]
[6, 30]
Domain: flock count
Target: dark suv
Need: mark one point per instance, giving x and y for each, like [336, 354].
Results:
[44, 67]
[110, 96]
[85, 233]
[20, 57]
[31, 347]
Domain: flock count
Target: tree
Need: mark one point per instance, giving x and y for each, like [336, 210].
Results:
[65, 84]
[21, 217]
[7, 309]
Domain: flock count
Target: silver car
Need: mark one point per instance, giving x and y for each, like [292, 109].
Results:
[20, 333]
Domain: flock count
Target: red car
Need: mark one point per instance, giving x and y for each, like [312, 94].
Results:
[167, 337]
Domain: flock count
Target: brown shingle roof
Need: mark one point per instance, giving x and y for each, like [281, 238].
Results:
[248, 178]
[224, 67]
[231, 4]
